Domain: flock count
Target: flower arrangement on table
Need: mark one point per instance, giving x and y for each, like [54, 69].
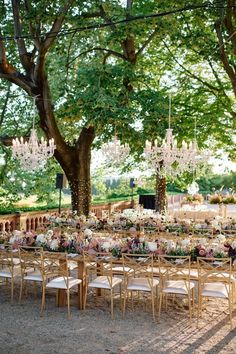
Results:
[218, 198]
[194, 199]
[135, 220]
[59, 241]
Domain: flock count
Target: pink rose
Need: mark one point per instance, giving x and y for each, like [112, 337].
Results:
[202, 252]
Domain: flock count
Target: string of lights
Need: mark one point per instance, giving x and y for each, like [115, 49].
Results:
[66, 32]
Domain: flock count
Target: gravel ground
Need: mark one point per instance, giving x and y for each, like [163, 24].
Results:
[23, 331]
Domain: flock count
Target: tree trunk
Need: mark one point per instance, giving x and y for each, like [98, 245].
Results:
[160, 198]
[74, 160]
[79, 176]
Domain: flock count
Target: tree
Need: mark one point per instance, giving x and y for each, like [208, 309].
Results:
[91, 83]
[75, 160]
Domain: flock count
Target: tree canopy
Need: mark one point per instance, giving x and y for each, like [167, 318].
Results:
[105, 67]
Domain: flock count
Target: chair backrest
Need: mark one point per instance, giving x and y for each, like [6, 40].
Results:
[214, 269]
[7, 257]
[175, 267]
[31, 258]
[55, 264]
[98, 264]
[138, 265]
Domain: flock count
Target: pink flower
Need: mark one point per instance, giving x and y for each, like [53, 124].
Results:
[202, 252]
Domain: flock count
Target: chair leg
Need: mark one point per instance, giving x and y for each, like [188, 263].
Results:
[80, 297]
[160, 304]
[68, 303]
[120, 298]
[21, 289]
[12, 289]
[199, 310]
[124, 304]
[35, 290]
[230, 313]
[190, 307]
[112, 314]
[43, 300]
[85, 297]
[153, 304]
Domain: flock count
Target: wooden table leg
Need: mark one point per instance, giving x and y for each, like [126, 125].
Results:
[61, 298]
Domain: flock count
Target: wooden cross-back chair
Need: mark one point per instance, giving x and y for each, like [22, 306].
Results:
[56, 274]
[138, 277]
[99, 275]
[216, 280]
[31, 262]
[9, 266]
[175, 275]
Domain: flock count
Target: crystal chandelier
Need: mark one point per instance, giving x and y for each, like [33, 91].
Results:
[169, 159]
[32, 154]
[114, 151]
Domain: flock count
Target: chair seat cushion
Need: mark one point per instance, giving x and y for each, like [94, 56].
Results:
[193, 273]
[15, 261]
[102, 282]
[142, 284]
[156, 270]
[34, 276]
[215, 290]
[177, 287]
[60, 283]
[120, 269]
[5, 272]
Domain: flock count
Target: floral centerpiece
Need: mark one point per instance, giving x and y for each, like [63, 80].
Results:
[194, 199]
[218, 198]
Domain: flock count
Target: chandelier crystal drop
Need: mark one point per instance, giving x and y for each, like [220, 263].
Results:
[32, 154]
[114, 151]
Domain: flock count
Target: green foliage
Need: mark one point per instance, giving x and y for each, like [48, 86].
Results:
[87, 72]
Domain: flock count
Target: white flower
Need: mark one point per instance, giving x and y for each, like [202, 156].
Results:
[215, 224]
[185, 242]
[221, 238]
[170, 244]
[54, 245]
[88, 233]
[41, 238]
[106, 245]
[50, 233]
[18, 234]
[12, 239]
[233, 244]
[152, 246]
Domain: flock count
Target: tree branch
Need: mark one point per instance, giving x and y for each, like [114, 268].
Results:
[146, 43]
[212, 88]
[32, 30]
[50, 38]
[109, 51]
[23, 54]
[107, 18]
[229, 24]
[223, 56]
[8, 72]
[5, 103]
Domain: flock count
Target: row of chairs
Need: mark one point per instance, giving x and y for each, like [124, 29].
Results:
[32, 264]
[172, 275]
[138, 273]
